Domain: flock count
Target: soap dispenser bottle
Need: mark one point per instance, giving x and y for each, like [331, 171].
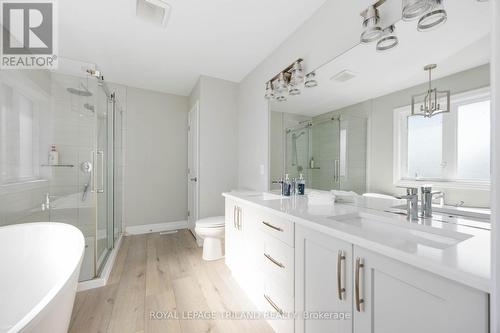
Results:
[287, 185]
[301, 185]
[53, 155]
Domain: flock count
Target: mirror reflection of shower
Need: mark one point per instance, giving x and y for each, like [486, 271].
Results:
[297, 150]
[295, 157]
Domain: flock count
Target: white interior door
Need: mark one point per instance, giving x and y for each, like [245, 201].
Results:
[193, 160]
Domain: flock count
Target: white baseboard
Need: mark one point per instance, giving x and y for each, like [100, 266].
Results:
[157, 227]
[102, 280]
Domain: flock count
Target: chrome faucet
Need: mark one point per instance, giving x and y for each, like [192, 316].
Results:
[427, 196]
[46, 203]
[411, 203]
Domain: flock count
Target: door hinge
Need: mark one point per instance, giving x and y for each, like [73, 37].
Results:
[189, 213]
[189, 128]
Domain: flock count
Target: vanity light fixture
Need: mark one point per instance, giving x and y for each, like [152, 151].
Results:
[388, 40]
[269, 90]
[311, 81]
[433, 101]
[296, 78]
[434, 18]
[280, 87]
[289, 82]
[371, 23]
[413, 9]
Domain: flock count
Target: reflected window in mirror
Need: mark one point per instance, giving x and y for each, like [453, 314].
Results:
[452, 148]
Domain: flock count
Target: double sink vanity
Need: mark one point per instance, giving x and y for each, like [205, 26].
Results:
[363, 125]
[358, 267]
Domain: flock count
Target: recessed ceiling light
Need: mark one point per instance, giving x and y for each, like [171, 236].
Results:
[343, 76]
[154, 11]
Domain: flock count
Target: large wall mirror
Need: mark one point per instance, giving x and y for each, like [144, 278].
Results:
[363, 128]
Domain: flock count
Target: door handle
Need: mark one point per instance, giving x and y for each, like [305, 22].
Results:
[340, 289]
[194, 179]
[101, 189]
[337, 171]
[359, 300]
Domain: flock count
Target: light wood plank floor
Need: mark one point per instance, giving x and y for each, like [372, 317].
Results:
[163, 273]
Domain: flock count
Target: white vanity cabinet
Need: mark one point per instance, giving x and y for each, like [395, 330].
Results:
[395, 297]
[260, 255]
[287, 267]
[382, 295]
[234, 217]
[323, 273]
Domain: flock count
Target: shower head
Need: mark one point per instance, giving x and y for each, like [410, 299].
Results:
[295, 136]
[80, 92]
[89, 107]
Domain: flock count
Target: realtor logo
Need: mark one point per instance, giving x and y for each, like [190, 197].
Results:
[28, 34]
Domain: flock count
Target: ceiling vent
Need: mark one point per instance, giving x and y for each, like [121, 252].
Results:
[154, 11]
[343, 76]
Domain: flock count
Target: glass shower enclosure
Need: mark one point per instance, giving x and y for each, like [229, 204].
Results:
[57, 155]
[329, 153]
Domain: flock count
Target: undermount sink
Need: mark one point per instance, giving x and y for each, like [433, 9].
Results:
[399, 233]
[456, 211]
[268, 196]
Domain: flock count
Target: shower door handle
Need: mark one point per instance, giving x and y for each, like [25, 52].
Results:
[92, 172]
[336, 171]
[101, 153]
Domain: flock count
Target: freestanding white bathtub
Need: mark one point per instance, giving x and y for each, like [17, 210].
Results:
[39, 268]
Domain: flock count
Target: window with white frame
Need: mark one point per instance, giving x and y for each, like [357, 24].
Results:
[452, 148]
[19, 136]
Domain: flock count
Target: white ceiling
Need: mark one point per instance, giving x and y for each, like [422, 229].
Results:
[219, 38]
[462, 43]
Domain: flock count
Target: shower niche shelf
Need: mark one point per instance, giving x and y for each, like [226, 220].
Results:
[59, 165]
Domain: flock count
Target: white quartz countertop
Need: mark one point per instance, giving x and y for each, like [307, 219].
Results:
[466, 262]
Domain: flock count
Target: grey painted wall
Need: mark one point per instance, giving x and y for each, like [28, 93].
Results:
[156, 157]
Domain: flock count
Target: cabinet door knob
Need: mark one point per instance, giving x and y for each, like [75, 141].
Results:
[340, 289]
[359, 300]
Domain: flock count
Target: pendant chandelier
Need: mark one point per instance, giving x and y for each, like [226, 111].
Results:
[433, 101]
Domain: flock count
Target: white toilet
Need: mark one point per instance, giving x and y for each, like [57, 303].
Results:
[211, 230]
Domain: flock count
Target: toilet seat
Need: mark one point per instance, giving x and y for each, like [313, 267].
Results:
[211, 222]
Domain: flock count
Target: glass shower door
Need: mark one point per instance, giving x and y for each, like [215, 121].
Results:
[104, 177]
[325, 150]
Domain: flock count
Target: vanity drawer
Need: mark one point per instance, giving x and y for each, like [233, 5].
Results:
[277, 227]
[277, 262]
[281, 305]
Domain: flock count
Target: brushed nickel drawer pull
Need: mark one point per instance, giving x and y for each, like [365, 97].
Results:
[234, 216]
[268, 299]
[272, 226]
[340, 289]
[274, 261]
[239, 218]
[359, 300]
